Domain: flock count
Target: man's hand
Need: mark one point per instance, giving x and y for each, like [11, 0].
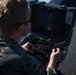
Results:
[28, 47]
[54, 58]
[55, 55]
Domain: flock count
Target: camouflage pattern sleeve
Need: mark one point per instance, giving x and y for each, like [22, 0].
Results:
[12, 63]
[36, 67]
[53, 72]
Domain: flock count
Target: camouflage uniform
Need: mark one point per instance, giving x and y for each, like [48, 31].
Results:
[15, 61]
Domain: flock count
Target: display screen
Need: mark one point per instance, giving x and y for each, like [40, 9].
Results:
[48, 21]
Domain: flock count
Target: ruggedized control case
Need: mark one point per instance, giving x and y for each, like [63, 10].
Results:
[51, 27]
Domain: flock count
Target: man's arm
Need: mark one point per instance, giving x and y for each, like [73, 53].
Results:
[54, 58]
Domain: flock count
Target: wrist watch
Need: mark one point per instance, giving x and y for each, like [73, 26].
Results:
[51, 71]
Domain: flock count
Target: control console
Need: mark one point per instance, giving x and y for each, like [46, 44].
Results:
[51, 27]
[43, 48]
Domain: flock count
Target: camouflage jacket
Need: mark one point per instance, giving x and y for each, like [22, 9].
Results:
[16, 61]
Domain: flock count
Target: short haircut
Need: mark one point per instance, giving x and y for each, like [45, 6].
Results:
[12, 14]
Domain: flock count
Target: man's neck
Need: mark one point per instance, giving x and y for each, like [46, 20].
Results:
[13, 36]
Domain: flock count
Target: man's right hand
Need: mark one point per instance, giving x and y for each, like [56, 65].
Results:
[54, 58]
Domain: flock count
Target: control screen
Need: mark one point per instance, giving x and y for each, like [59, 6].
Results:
[48, 21]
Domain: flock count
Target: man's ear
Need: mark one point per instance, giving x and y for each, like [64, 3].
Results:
[20, 29]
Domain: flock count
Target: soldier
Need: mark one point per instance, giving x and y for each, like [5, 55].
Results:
[14, 59]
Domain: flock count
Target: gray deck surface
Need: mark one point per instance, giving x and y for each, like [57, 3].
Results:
[69, 65]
